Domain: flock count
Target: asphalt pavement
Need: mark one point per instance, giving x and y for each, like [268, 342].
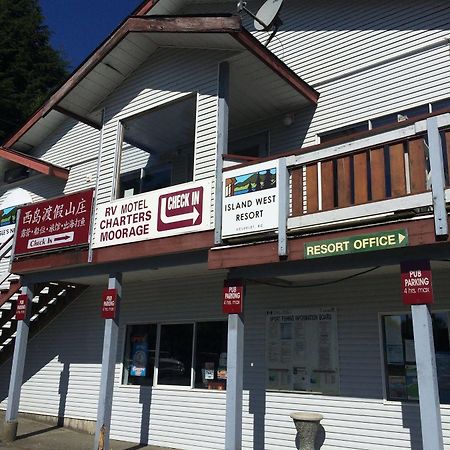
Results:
[33, 435]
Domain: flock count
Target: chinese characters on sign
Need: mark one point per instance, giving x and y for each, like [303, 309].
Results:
[61, 222]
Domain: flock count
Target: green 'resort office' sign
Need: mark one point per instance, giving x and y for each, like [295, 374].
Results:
[382, 240]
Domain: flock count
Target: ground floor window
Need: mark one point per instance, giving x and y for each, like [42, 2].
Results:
[181, 354]
[400, 358]
[301, 350]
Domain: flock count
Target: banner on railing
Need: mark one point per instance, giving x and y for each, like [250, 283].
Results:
[251, 197]
[54, 224]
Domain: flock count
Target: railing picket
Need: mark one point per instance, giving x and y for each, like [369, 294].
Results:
[360, 178]
[417, 165]
[327, 185]
[297, 191]
[312, 198]
[398, 178]
[344, 181]
[377, 172]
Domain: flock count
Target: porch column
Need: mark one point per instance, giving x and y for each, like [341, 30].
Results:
[102, 429]
[222, 145]
[235, 375]
[18, 364]
[430, 413]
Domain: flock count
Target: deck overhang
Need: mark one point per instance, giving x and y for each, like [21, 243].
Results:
[261, 83]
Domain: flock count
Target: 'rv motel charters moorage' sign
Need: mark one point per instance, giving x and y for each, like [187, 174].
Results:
[250, 199]
[165, 212]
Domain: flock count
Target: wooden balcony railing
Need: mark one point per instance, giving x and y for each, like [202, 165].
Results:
[367, 179]
[383, 172]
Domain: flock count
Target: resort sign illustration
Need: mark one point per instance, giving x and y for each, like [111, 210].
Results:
[250, 199]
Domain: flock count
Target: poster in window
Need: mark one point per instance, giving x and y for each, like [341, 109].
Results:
[397, 387]
[301, 350]
[139, 352]
[394, 342]
[412, 386]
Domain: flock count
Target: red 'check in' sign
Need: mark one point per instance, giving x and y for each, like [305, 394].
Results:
[180, 209]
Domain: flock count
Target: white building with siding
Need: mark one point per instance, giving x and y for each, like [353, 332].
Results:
[345, 95]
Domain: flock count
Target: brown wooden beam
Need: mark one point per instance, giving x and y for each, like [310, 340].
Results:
[154, 247]
[252, 44]
[76, 116]
[420, 232]
[33, 163]
[144, 7]
[185, 24]
[115, 254]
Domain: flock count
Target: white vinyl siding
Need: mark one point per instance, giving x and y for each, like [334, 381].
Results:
[168, 75]
[195, 419]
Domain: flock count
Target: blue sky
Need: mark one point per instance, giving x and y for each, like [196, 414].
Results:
[79, 26]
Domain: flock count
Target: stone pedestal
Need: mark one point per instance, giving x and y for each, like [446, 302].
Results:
[307, 425]
[10, 431]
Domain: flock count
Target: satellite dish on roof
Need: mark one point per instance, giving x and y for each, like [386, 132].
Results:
[267, 14]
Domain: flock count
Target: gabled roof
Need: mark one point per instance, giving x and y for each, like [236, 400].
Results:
[132, 43]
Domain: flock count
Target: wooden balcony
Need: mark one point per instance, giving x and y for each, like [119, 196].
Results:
[372, 179]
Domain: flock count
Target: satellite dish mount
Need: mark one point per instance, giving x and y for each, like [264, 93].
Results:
[267, 18]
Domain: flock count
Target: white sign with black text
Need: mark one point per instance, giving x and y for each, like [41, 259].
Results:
[166, 212]
[251, 197]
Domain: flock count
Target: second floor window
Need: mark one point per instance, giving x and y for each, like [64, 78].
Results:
[157, 148]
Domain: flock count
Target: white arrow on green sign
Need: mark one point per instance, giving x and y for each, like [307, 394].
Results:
[382, 240]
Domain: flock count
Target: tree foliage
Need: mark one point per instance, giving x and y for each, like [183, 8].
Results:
[29, 67]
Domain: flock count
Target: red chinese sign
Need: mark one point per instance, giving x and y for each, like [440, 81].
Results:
[417, 286]
[180, 209]
[21, 307]
[109, 304]
[57, 223]
[233, 296]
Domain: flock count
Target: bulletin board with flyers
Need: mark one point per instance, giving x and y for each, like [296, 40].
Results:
[302, 350]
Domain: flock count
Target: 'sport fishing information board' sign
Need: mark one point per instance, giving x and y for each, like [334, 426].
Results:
[251, 197]
[54, 224]
[417, 288]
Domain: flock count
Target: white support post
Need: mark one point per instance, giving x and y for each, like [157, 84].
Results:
[430, 413]
[235, 375]
[103, 425]
[18, 365]
[283, 208]
[222, 144]
[437, 178]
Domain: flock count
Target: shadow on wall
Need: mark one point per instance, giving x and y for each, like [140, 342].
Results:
[411, 421]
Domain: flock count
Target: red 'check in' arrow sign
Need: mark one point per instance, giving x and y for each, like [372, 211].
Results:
[180, 209]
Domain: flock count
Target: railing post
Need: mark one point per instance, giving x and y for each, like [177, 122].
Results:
[283, 207]
[222, 145]
[437, 178]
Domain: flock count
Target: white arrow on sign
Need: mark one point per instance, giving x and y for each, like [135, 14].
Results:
[178, 218]
[401, 238]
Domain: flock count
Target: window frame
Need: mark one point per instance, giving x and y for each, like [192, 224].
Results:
[383, 365]
[120, 133]
[159, 324]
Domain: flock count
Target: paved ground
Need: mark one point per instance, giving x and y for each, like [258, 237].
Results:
[34, 435]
